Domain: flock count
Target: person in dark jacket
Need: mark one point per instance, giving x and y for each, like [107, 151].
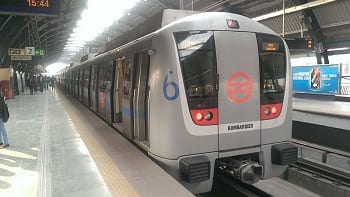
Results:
[3, 133]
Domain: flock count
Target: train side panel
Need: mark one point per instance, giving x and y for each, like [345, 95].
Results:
[277, 130]
[169, 138]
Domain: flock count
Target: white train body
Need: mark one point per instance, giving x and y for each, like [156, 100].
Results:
[208, 92]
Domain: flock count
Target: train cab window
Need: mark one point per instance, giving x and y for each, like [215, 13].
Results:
[196, 51]
[272, 58]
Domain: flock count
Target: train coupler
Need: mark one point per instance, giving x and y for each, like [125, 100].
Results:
[247, 171]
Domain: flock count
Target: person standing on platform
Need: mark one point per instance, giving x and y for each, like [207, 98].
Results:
[52, 83]
[3, 133]
[31, 84]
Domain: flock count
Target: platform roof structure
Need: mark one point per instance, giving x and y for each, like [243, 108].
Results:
[327, 22]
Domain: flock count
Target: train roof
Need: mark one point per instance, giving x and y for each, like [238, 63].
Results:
[218, 21]
[193, 21]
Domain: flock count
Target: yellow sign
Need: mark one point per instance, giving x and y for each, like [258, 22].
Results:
[13, 51]
[21, 57]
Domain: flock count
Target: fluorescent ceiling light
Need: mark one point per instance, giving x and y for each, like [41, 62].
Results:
[293, 9]
[54, 68]
[95, 19]
[338, 49]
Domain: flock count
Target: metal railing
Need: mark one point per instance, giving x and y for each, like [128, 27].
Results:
[344, 85]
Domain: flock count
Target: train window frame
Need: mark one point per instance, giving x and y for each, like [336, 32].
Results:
[105, 73]
[201, 89]
[127, 67]
[272, 77]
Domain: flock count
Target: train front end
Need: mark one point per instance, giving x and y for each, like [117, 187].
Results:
[235, 101]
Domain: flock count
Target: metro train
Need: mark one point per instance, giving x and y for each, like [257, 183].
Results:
[207, 93]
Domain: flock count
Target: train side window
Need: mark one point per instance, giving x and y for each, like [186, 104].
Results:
[272, 58]
[105, 75]
[127, 77]
[93, 77]
[196, 50]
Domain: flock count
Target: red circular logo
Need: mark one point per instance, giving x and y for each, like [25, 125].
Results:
[239, 87]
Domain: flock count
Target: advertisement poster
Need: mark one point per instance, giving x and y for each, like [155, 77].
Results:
[317, 79]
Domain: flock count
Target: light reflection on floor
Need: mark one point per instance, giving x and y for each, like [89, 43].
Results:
[15, 180]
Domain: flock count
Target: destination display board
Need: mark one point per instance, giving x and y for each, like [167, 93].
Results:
[299, 44]
[317, 79]
[30, 7]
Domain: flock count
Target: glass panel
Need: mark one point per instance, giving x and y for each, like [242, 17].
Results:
[198, 63]
[105, 75]
[272, 59]
[127, 77]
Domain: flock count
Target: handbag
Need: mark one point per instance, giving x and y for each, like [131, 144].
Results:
[5, 114]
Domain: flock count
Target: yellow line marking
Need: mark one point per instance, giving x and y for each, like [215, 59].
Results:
[117, 184]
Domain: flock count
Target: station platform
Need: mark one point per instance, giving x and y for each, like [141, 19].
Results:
[323, 112]
[60, 148]
[323, 122]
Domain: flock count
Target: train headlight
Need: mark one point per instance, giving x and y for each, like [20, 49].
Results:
[273, 110]
[233, 24]
[199, 116]
[267, 111]
[208, 116]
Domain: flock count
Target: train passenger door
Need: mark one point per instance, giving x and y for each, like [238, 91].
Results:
[140, 99]
[118, 87]
[81, 84]
[104, 90]
[239, 93]
[108, 91]
[86, 85]
[93, 85]
[128, 96]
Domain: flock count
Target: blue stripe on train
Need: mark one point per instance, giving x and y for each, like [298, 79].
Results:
[126, 112]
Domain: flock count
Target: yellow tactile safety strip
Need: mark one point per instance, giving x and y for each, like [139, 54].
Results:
[117, 184]
[115, 181]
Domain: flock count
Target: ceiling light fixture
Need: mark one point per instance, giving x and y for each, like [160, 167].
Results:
[293, 9]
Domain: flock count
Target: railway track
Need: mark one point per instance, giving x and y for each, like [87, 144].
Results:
[228, 186]
[319, 175]
[337, 176]
[314, 177]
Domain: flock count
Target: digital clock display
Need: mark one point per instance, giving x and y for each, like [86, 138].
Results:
[30, 7]
[38, 3]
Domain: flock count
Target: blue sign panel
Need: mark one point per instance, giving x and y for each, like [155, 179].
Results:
[318, 79]
[30, 7]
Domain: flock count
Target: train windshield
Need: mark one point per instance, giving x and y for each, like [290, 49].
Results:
[272, 58]
[198, 64]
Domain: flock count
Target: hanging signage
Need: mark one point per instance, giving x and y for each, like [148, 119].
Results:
[30, 51]
[14, 51]
[21, 57]
[317, 79]
[39, 52]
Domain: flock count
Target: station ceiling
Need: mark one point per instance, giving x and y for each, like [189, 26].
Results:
[327, 22]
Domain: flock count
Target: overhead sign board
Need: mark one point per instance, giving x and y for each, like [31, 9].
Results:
[30, 7]
[13, 51]
[39, 52]
[299, 44]
[21, 58]
[30, 51]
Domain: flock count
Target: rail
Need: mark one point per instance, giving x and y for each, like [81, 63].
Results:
[336, 175]
[228, 186]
